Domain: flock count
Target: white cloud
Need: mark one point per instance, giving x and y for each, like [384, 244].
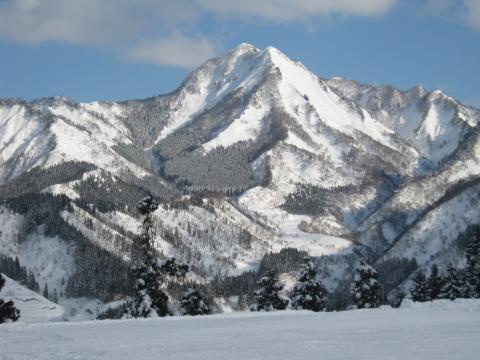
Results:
[173, 26]
[473, 14]
[287, 10]
[467, 11]
[77, 22]
[177, 50]
[88, 21]
[437, 7]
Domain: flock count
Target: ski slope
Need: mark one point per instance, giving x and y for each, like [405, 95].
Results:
[441, 330]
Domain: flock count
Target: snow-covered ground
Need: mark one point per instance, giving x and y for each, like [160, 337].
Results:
[442, 330]
[34, 308]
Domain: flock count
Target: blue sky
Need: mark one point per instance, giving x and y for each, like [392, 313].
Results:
[121, 49]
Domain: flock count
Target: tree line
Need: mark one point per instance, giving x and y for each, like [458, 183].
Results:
[456, 282]
[365, 289]
[149, 282]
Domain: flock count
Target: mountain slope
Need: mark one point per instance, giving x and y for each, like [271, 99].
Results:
[251, 154]
[33, 307]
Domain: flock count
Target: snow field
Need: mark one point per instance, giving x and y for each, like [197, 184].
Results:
[34, 308]
[441, 330]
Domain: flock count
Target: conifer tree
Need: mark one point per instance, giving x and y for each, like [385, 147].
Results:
[149, 299]
[420, 291]
[435, 282]
[462, 283]
[32, 283]
[172, 268]
[473, 261]
[55, 296]
[398, 296]
[453, 285]
[8, 312]
[309, 293]
[268, 297]
[45, 291]
[193, 304]
[365, 290]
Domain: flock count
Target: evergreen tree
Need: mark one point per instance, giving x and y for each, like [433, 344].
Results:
[308, 293]
[462, 283]
[32, 283]
[420, 291]
[242, 304]
[45, 291]
[364, 289]
[8, 312]
[54, 296]
[268, 297]
[435, 282]
[172, 268]
[193, 304]
[453, 286]
[17, 267]
[149, 299]
[398, 296]
[473, 261]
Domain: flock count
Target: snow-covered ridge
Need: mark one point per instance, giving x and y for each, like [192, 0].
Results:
[432, 123]
[52, 131]
[332, 162]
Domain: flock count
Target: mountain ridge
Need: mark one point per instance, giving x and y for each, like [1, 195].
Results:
[253, 153]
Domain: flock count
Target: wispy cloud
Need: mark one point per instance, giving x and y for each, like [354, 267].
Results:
[282, 10]
[466, 11]
[473, 13]
[90, 21]
[176, 50]
[173, 27]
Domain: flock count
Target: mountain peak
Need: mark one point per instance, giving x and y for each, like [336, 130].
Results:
[246, 46]
[243, 48]
[273, 50]
[418, 90]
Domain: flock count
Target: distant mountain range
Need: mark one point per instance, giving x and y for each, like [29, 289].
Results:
[252, 154]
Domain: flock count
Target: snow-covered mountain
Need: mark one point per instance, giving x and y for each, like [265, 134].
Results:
[253, 153]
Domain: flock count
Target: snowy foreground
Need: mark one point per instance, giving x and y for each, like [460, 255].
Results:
[442, 330]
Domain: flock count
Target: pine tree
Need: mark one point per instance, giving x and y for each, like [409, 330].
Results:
[398, 296]
[453, 286]
[149, 299]
[268, 297]
[365, 290]
[32, 283]
[420, 291]
[435, 283]
[16, 268]
[242, 304]
[8, 312]
[193, 304]
[54, 296]
[473, 261]
[45, 291]
[462, 283]
[308, 293]
[172, 268]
